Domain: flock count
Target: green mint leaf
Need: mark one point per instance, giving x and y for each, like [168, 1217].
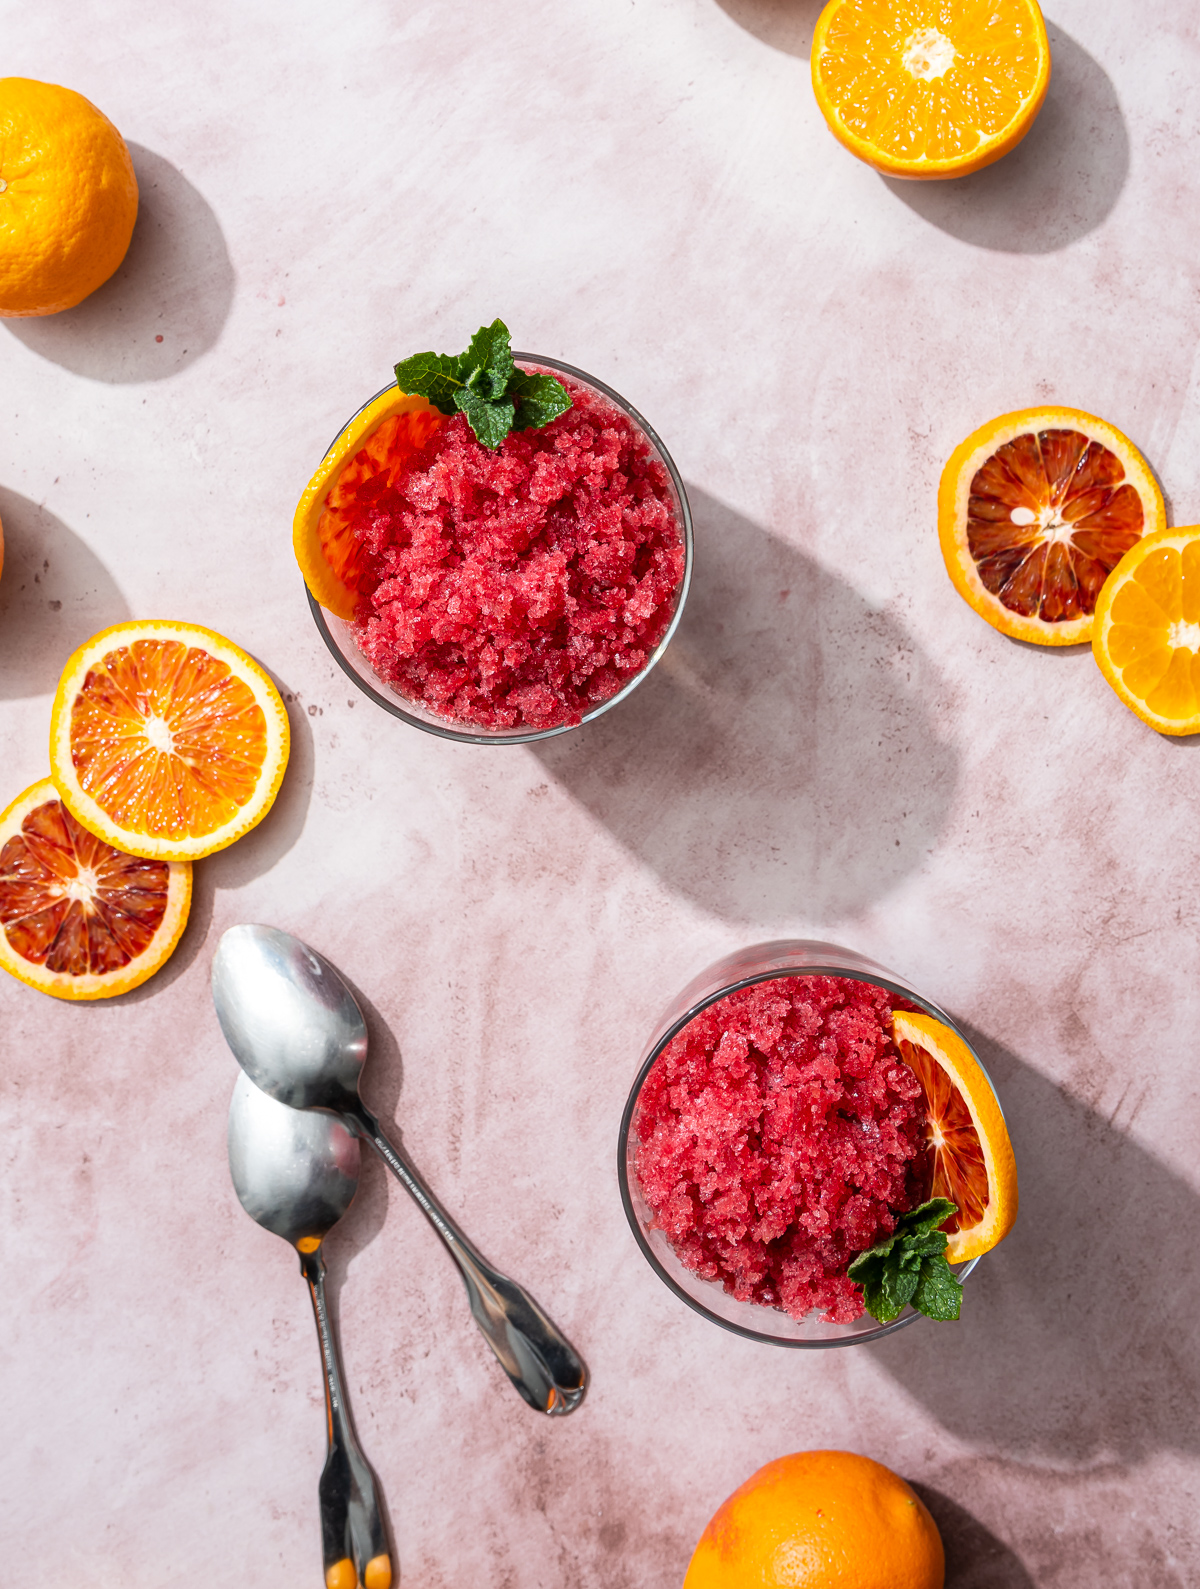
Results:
[431, 375]
[491, 422]
[540, 398]
[926, 1218]
[939, 1293]
[487, 365]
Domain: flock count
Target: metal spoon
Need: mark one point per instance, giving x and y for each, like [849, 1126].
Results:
[296, 1031]
[296, 1173]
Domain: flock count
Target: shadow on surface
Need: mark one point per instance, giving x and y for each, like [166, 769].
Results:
[1074, 1344]
[55, 593]
[785, 25]
[781, 759]
[975, 1558]
[1057, 185]
[174, 284]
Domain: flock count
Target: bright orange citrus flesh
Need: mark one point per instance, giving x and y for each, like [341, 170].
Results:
[363, 461]
[970, 1151]
[167, 740]
[817, 1520]
[68, 201]
[925, 89]
[1035, 510]
[1147, 635]
[78, 918]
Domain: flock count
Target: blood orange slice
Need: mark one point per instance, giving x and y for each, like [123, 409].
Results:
[1035, 510]
[167, 740]
[972, 1157]
[356, 470]
[78, 918]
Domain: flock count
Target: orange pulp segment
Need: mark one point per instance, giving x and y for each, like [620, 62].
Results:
[78, 918]
[166, 739]
[1035, 510]
[971, 1155]
[923, 88]
[363, 462]
[1147, 635]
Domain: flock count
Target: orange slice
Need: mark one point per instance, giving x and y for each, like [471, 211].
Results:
[78, 918]
[921, 88]
[973, 1162]
[1147, 634]
[358, 467]
[1035, 510]
[167, 740]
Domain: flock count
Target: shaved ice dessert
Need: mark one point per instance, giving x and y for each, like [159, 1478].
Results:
[778, 1135]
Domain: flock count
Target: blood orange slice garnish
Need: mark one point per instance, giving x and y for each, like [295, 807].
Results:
[356, 471]
[970, 1152]
[78, 918]
[167, 740]
[1035, 510]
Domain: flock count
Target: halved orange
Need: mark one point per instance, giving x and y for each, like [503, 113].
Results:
[1035, 510]
[922, 88]
[972, 1157]
[166, 739]
[359, 466]
[1147, 634]
[78, 918]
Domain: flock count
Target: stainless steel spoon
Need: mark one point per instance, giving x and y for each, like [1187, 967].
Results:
[296, 1173]
[297, 1032]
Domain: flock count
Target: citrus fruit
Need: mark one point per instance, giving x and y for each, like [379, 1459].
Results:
[1035, 510]
[820, 1520]
[78, 918]
[68, 197]
[920, 88]
[972, 1157]
[374, 446]
[1147, 633]
[166, 739]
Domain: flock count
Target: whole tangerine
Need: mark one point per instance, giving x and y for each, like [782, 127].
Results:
[820, 1520]
[68, 197]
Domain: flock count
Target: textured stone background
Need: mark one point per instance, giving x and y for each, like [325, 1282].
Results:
[835, 746]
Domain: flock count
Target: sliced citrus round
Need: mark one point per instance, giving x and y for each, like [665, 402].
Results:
[78, 918]
[1035, 510]
[362, 462]
[167, 740]
[1147, 634]
[971, 1155]
[925, 89]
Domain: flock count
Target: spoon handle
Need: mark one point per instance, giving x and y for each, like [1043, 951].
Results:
[534, 1353]
[353, 1545]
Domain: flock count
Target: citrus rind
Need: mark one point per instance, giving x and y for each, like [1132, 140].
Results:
[954, 493]
[966, 1075]
[1184, 540]
[137, 840]
[89, 986]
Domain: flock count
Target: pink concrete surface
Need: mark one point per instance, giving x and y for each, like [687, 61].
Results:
[835, 746]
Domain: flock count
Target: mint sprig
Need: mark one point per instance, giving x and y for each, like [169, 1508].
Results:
[910, 1266]
[485, 386]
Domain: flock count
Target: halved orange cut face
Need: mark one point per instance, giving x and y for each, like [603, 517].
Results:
[78, 918]
[1035, 510]
[167, 740]
[1147, 635]
[970, 1153]
[360, 466]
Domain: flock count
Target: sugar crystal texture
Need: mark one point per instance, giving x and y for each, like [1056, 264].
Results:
[779, 1134]
[520, 588]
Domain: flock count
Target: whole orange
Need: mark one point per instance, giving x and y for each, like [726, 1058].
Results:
[68, 197]
[820, 1520]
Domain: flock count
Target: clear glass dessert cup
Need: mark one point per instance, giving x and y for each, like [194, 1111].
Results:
[754, 1320]
[338, 633]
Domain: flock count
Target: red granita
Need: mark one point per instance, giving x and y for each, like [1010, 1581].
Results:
[779, 1134]
[524, 586]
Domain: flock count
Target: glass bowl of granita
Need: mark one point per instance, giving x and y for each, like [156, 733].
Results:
[772, 1134]
[521, 592]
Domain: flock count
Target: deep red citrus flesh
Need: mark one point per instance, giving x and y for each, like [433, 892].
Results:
[959, 1170]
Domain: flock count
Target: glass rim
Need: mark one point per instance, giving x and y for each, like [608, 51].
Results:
[464, 735]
